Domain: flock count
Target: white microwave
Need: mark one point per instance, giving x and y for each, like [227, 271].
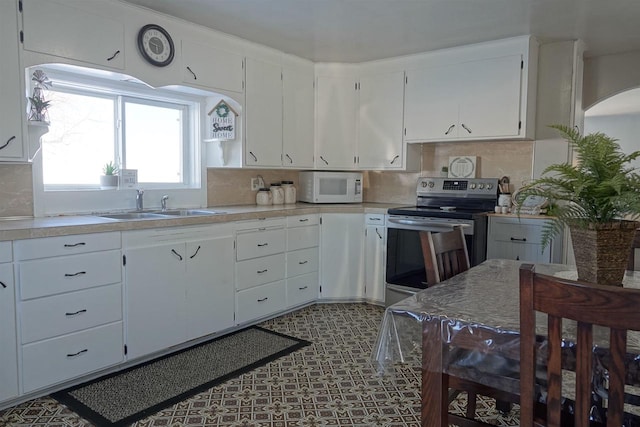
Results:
[330, 187]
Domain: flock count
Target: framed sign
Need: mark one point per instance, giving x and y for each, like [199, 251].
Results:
[462, 167]
[222, 122]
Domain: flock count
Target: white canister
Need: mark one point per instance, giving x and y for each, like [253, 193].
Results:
[277, 193]
[504, 200]
[289, 192]
[264, 197]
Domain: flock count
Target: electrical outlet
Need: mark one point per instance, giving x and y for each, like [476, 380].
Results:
[255, 184]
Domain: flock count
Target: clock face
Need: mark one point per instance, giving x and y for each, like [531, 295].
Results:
[155, 45]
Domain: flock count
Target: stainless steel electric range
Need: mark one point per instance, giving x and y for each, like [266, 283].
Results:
[442, 203]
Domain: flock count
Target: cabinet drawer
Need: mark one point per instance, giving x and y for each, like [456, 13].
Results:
[260, 224]
[259, 243]
[5, 252]
[52, 361]
[303, 220]
[261, 301]
[257, 271]
[374, 219]
[65, 245]
[302, 261]
[62, 314]
[63, 274]
[302, 289]
[517, 232]
[303, 237]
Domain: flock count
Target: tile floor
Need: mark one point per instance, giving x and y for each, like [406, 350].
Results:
[330, 383]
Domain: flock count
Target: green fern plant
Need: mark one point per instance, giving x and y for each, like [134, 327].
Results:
[602, 187]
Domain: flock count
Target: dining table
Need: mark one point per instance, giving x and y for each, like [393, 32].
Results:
[468, 326]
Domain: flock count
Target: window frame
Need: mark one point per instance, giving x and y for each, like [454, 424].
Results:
[54, 199]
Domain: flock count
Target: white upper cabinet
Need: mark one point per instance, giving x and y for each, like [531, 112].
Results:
[263, 115]
[336, 121]
[380, 121]
[298, 109]
[210, 67]
[69, 32]
[11, 145]
[477, 92]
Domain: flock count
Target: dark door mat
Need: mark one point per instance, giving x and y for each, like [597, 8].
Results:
[127, 396]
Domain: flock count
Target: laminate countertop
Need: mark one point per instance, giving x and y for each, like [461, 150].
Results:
[28, 228]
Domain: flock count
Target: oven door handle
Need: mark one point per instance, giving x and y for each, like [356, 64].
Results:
[425, 225]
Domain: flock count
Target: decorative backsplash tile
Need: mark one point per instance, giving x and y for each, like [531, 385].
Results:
[16, 191]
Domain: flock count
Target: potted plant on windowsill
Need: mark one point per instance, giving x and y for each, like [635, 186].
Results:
[109, 179]
[598, 198]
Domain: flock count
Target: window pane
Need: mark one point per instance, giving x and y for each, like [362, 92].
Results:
[80, 141]
[153, 142]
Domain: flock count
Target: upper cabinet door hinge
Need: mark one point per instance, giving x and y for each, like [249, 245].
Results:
[522, 65]
[519, 125]
[21, 36]
[20, 6]
[124, 260]
[406, 79]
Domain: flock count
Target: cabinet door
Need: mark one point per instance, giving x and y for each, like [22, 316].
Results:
[380, 121]
[297, 141]
[8, 344]
[490, 98]
[431, 105]
[209, 283]
[263, 114]
[342, 256]
[11, 145]
[336, 115]
[155, 296]
[374, 264]
[56, 29]
[211, 67]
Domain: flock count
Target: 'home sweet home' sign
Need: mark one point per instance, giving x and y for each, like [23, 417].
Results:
[222, 122]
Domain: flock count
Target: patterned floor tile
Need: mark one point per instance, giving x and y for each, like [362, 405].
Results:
[330, 383]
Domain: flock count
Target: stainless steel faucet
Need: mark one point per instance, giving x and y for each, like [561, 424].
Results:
[139, 200]
[163, 202]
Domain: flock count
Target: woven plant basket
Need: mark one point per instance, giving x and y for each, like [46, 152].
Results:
[602, 251]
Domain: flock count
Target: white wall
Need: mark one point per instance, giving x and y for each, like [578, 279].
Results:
[624, 127]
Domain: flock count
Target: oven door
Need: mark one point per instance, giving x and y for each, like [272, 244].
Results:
[405, 273]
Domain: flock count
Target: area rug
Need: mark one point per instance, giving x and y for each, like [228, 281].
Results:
[130, 395]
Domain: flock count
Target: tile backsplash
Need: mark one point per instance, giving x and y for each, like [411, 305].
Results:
[233, 186]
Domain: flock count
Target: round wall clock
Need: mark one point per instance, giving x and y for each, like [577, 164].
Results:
[155, 45]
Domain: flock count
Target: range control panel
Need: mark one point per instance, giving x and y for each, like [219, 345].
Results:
[468, 186]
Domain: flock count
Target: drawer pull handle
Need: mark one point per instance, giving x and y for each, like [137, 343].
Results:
[378, 233]
[192, 73]
[304, 220]
[79, 273]
[116, 53]
[515, 239]
[302, 262]
[263, 299]
[195, 253]
[375, 219]
[394, 159]
[449, 130]
[176, 254]
[78, 353]
[260, 245]
[262, 271]
[73, 245]
[76, 312]
[3, 285]
[303, 288]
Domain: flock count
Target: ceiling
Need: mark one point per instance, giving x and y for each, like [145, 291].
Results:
[363, 30]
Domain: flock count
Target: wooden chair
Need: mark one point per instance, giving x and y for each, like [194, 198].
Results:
[445, 254]
[612, 307]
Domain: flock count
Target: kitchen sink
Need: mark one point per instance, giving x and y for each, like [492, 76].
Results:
[133, 215]
[190, 212]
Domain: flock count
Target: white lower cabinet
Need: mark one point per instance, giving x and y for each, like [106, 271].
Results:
[303, 259]
[260, 269]
[516, 238]
[179, 285]
[8, 343]
[70, 319]
[342, 256]
[375, 242]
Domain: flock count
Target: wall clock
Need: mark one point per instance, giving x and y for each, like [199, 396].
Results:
[155, 45]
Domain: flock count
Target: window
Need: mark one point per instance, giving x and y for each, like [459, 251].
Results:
[98, 117]
[92, 125]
